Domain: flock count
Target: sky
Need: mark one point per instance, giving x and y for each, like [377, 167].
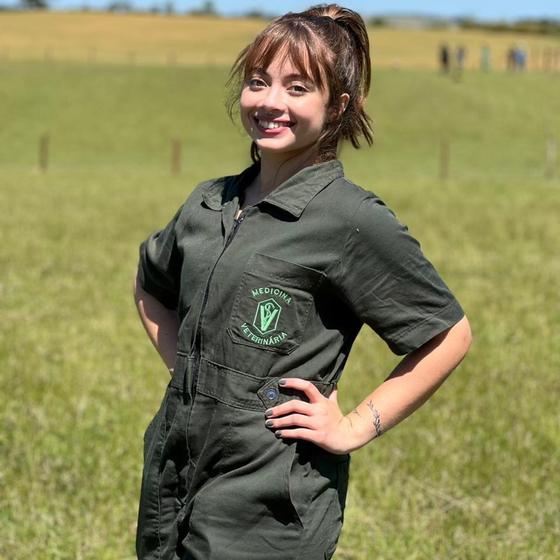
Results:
[480, 9]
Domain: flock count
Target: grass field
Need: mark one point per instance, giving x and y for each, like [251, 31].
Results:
[471, 475]
[153, 39]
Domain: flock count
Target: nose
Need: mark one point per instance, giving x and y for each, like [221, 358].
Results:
[272, 100]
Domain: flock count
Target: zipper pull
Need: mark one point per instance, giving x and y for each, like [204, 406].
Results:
[238, 220]
[236, 223]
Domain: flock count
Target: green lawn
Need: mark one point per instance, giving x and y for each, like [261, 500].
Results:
[472, 475]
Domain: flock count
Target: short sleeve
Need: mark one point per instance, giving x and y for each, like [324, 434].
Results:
[390, 284]
[159, 266]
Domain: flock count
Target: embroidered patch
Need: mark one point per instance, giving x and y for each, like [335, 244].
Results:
[267, 315]
[264, 329]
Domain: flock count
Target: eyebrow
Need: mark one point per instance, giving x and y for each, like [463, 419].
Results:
[293, 76]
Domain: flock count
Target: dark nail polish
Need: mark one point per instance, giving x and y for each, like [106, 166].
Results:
[268, 412]
[278, 434]
[282, 382]
[269, 423]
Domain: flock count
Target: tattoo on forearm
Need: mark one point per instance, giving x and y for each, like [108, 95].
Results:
[376, 419]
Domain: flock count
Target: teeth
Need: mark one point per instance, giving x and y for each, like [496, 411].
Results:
[269, 125]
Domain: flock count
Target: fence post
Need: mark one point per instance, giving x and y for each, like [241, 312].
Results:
[44, 152]
[444, 160]
[535, 58]
[175, 156]
[551, 158]
[547, 59]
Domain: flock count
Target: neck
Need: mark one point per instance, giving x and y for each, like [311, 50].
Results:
[277, 168]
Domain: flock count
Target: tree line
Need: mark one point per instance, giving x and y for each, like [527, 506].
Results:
[543, 26]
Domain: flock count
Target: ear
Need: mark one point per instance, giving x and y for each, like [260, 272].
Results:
[343, 103]
[336, 112]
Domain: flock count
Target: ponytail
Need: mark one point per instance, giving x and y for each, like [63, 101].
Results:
[351, 74]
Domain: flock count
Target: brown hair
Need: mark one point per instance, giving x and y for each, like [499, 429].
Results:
[329, 45]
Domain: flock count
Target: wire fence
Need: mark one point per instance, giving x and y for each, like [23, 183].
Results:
[442, 155]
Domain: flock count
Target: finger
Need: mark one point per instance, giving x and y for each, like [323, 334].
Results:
[289, 407]
[291, 420]
[296, 433]
[307, 387]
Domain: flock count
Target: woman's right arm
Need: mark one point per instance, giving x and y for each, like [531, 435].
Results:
[161, 323]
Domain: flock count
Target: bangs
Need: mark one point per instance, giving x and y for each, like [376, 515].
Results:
[291, 41]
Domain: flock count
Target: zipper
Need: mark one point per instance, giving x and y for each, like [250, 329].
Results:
[233, 231]
[197, 335]
[197, 342]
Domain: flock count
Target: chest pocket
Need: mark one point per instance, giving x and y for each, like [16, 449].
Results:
[272, 304]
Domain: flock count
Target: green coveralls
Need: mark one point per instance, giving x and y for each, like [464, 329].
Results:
[280, 292]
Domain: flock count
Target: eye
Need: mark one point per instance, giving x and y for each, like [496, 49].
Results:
[298, 89]
[256, 83]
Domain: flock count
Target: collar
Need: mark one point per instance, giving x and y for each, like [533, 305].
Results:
[293, 195]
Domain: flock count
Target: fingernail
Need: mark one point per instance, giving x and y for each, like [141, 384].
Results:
[278, 434]
[269, 423]
[268, 412]
[282, 382]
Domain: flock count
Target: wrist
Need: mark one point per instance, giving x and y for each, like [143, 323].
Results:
[358, 433]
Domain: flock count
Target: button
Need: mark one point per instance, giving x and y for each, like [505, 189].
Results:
[271, 393]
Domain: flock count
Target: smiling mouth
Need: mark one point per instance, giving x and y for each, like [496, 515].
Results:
[270, 125]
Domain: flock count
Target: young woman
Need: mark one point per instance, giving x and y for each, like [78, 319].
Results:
[254, 293]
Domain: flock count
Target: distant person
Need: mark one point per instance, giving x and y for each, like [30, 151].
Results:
[444, 58]
[485, 59]
[253, 295]
[460, 59]
[520, 59]
[511, 59]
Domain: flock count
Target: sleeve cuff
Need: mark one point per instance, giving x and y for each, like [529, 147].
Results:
[417, 335]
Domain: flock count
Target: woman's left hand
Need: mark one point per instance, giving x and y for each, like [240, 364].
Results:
[319, 420]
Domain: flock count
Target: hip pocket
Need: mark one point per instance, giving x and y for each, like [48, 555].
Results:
[272, 304]
[318, 483]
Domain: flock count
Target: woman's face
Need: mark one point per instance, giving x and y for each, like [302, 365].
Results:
[281, 110]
